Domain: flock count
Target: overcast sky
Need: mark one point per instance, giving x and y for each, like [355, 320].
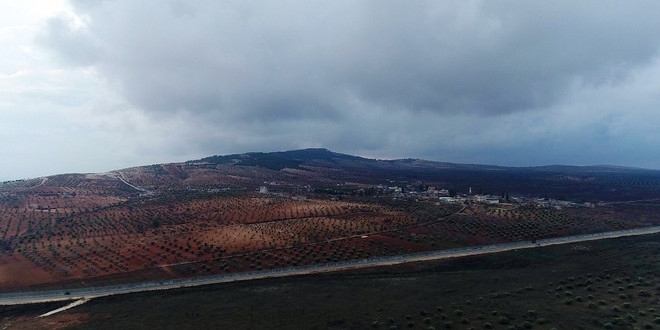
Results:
[91, 86]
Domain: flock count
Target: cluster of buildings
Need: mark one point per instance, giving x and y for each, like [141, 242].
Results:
[447, 196]
[442, 195]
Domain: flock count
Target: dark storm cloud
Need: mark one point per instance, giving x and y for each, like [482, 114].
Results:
[297, 59]
[364, 69]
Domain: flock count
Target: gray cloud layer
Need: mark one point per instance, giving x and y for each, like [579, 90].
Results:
[505, 82]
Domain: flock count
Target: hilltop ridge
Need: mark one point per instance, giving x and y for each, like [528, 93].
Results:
[323, 168]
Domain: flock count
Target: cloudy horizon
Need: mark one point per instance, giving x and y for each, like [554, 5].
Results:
[96, 86]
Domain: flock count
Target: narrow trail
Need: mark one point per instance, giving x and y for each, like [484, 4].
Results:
[121, 178]
[95, 292]
[43, 181]
[61, 309]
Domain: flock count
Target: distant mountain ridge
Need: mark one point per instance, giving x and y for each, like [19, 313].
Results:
[295, 158]
[343, 174]
[593, 183]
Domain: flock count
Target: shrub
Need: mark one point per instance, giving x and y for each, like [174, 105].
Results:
[643, 293]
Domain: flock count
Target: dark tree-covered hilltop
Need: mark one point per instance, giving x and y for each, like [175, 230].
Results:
[580, 183]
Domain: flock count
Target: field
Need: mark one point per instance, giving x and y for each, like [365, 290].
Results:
[611, 284]
[262, 211]
[61, 238]
[64, 234]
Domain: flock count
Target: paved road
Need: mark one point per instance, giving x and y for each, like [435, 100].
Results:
[95, 292]
[635, 201]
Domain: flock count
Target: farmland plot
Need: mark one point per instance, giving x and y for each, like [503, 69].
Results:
[70, 234]
[185, 235]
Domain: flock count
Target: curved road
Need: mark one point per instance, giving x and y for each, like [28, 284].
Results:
[95, 292]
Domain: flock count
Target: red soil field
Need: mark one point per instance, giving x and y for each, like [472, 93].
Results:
[75, 238]
[61, 235]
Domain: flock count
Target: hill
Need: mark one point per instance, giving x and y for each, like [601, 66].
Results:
[261, 211]
[323, 168]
